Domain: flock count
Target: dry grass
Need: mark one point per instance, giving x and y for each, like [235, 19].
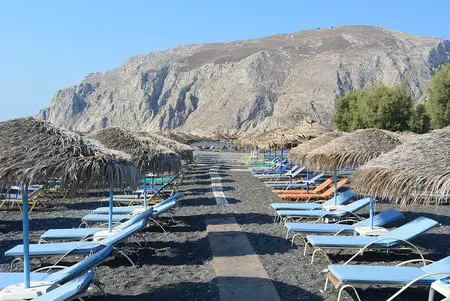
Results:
[352, 150]
[146, 153]
[416, 170]
[35, 152]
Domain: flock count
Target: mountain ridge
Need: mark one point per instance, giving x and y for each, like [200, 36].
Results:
[250, 85]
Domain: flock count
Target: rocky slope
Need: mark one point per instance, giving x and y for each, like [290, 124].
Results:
[247, 86]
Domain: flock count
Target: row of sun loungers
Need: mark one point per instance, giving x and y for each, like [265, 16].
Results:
[333, 224]
[97, 244]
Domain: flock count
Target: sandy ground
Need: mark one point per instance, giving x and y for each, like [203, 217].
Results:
[177, 265]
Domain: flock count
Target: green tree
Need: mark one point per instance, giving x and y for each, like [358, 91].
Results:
[438, 104]
[346, 109]
[394, 108]
[381, 107]
[419, 122]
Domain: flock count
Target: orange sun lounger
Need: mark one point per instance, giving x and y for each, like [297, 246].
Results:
[307, 196]
[318, 189]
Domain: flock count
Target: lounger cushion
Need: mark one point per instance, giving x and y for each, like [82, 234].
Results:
[341, 199]
[292, 206]
[126, 209]
[392, 238]
[318, 228]
[330, 214]
[78, 247]
[105, 217]
[123, 217]
[80, 233]
[442, 265]
[341, 241]
[365, 274]
[7, 279]
[76, 233]
[379, 220]
[383, 218]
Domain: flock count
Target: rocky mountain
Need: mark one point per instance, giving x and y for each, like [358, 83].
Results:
[247, 86]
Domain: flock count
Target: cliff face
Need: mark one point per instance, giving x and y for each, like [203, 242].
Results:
[247, 86]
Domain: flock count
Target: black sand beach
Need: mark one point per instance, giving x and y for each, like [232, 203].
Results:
[177, 265]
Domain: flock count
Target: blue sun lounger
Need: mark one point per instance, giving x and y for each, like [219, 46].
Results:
[83, 233]
[341, 199]
[389, 240]
[277, 170]
[379, 220]
[98, 218]
[345, 210]
[68, 291]
[77, 247]
[291, 173]
[60, 276]
[294, 184]
[130, 209]
[344, 276]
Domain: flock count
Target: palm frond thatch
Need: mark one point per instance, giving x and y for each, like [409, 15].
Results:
[183, 150]
[418, 169]
[145, 152]
[183, 137]
[298, 153]
[283, 136]
[35, 151]
[352, 150]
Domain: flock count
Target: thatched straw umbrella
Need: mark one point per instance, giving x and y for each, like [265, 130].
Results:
[145, 152]
[352, 150]
[298, 153]
[283, 137]
[183, 150]
[31, 150]
[418, 169]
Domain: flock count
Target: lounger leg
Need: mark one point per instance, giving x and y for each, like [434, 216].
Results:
[287, 234]
[319, 250]
[301, 236]
[18, 259]
[304, 250]
[159, 224]
[344, 287]
[326, 284]
[127, 257]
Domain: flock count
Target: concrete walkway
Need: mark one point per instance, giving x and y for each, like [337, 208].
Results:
[241, 275]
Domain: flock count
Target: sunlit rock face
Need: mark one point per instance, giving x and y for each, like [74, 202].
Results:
[248, 86]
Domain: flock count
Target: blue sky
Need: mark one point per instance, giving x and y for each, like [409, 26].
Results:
[50, 45]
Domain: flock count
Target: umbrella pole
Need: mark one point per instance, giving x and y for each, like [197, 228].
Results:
[307, 180]
[111, 200]
[335, 187]
[26, 238]
[290, 176]
[153, 183]
[145, 192]
[371, 208]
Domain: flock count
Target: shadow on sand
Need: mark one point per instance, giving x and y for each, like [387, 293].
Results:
[210, 292]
